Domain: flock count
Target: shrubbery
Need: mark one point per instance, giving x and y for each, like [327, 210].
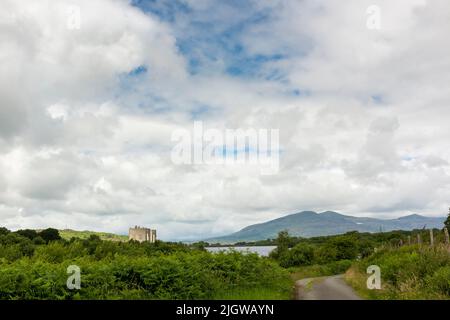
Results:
[410, 272]
[295, 252]
[336, 248]
[129, 270]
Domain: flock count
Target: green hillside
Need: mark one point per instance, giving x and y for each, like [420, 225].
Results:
[68, 234]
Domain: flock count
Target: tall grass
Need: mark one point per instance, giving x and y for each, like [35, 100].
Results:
[320, 270]
[409, 272]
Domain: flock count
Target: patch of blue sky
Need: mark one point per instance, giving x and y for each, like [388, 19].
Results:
[138, 71]
[165, 10]
[203, 112]
[128, 82]
[301, 92]
[156, 105]
[136, 99]
[141, 98]
[245, 65]
[229, 150]
[211, 37]
[408, 158]
[377, 99]
[131, 75]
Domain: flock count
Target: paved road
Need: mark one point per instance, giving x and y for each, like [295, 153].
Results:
[326, 288]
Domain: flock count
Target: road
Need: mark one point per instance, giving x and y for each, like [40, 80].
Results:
[325, 288]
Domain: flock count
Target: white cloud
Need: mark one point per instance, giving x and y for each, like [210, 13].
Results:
[85, 143]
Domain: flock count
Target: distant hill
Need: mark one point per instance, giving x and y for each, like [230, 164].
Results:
[68, 234]
[311, 224]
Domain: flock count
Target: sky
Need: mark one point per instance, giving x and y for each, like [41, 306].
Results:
[91, 93]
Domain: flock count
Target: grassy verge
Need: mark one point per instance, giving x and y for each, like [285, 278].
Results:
[357, 280]
[408, 273]
[317, 270]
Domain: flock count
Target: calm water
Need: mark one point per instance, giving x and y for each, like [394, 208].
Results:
[261, 250]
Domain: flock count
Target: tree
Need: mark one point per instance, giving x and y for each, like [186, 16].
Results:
[300, 255]
[92, 243]
[283, 242]
[325, 254]
[200, 245]
[4, 231]
[365, 247]
[447, 222]
[38, 240]
[94, 238]
[13, 238]
[49, 234]
[28, 233]
[346, 247]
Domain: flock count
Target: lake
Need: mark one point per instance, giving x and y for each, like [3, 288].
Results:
[261, 250]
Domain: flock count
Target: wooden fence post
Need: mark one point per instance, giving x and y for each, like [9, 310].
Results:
[447, 241]
[419, 240]
[409, 240]
[431, 238]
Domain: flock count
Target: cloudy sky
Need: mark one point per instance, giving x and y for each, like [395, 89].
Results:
[88, 104]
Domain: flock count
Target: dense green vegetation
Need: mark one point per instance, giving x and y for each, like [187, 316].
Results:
[409, 272]
[353, 252]
[33, 265]
[295, 251]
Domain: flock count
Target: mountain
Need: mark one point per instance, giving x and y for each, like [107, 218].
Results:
[311, 224]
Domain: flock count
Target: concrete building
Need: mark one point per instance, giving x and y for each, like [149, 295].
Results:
[142, 234]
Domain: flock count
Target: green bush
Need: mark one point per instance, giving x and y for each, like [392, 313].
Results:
[301, 254]
[411, 272]
[175, 276]
[439, 281]
[116, 270]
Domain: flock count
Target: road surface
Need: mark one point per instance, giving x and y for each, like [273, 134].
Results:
[325, 288]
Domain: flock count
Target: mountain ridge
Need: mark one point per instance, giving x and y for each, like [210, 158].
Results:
[310, 224]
